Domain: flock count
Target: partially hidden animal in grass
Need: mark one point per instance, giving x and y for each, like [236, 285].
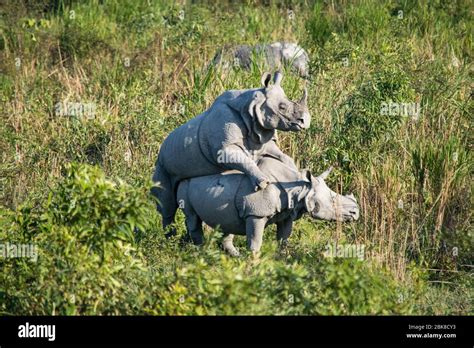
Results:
[227, 200]
[274, 55]
[234, 133]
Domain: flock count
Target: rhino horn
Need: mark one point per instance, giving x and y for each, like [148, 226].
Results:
[325, 174]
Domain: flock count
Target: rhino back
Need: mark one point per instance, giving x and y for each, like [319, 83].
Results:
[181, 153]
[213, 199]
[279, 171]
[271, 201]
[192, 149]
[262, 203]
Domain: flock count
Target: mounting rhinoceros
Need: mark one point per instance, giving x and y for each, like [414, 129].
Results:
[234, 133]
[227, 200]
[274, 54]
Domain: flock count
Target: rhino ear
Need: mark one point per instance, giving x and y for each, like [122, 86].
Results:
[306, 174]
[310, 203]
[266, 77]
[255, 111]
[277, 78]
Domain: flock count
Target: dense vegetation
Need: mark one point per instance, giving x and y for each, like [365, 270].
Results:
[75, 183]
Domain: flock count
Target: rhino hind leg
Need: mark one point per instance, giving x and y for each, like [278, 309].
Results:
[165, 192]
[193, 222]
[228, 246]
[194, 227]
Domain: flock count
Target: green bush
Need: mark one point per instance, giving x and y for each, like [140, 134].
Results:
[144, 66]
[90, 261]
[86, 251]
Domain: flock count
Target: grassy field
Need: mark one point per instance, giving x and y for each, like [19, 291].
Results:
[89, 90]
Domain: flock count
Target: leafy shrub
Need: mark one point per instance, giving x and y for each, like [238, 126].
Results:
[144, 67]
[90, 262]
[360, 126]
[84, 236]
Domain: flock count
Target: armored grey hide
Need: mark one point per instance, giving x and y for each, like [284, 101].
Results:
[275, 55]
[234, 133]
[228, 200]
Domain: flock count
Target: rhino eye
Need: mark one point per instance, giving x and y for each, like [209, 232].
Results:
[316, 208]
[283, 106]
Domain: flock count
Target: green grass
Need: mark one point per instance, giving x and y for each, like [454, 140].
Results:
[144, 70]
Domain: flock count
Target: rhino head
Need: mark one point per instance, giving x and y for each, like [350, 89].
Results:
[273, 110]
[323, 203]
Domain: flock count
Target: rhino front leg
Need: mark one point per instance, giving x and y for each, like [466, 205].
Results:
[284, 229]
[228, 246]
[233, 157]
[254, 229]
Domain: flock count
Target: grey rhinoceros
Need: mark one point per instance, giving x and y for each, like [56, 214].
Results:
[274, 54]
[228, 200]
[235, 132]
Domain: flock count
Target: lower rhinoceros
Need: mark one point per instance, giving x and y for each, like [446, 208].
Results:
[228, 200]
[235, 132]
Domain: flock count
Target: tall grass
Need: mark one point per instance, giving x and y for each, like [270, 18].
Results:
[144, 67]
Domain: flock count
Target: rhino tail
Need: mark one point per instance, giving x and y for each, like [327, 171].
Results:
[164, 190]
